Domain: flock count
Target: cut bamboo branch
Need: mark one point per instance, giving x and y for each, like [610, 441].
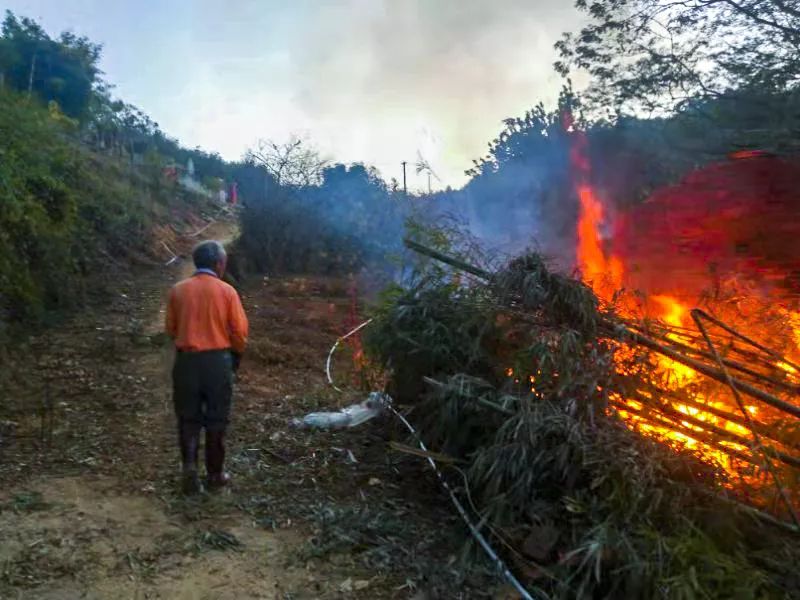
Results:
[697, 314]
[617, 329]
[785, 385]
[759, 514]
[708, 371]
[762, 428]
[700, 312]
[453, 262]
[719, 432]
[658, 420]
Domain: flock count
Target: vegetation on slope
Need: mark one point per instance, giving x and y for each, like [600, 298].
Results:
[65, 211]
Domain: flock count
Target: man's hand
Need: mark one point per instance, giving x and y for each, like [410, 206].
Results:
[236, 361]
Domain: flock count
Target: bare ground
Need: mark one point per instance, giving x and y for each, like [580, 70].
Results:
[88, 461]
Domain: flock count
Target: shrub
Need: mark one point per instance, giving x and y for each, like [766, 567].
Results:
[64, 211]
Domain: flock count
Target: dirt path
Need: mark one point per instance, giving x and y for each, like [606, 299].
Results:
[88, 464]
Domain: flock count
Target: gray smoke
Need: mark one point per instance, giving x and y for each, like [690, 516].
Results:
[388, 78]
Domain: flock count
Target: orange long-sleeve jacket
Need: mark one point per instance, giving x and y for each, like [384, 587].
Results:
[205, 313]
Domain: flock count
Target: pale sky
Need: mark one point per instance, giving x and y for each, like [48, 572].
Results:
[373, 81]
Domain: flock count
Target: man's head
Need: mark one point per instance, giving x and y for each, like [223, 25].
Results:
[210, 255]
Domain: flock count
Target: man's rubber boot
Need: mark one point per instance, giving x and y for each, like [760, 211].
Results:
[215, 460]
[189, 435]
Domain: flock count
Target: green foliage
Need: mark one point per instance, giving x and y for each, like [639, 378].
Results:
[512, 378]
[433, 323]
[568, 302]
[64, 210]
[429, 329]
[63, 70]
[651, 55]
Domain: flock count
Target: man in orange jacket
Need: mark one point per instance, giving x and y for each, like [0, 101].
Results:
[206, 320]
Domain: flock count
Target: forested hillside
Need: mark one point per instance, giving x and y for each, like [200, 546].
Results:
[81, 173]
[86, 175]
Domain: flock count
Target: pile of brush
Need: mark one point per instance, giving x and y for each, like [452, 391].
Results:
[515, 373]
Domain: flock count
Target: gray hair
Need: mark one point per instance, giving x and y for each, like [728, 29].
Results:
[208, 254]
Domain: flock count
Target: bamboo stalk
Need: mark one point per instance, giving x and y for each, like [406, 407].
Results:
[752, 342]
[666, 422]
[787, 459]
[789, 387]
[696, 315]
[743, 353]
[762, 428]
[708, 371]
[619, 329]
[760, 514]
[453, 262]
[712, 435]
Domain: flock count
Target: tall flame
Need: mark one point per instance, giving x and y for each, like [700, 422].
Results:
[604, 272]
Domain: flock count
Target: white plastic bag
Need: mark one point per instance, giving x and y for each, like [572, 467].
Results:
[351, 416]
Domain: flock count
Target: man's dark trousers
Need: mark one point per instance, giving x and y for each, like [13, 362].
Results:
[202, 384]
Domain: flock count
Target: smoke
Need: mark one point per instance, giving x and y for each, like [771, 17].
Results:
[372, 81]
[433, 77]
[526, 200]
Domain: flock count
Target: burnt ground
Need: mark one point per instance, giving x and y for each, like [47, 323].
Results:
[89, 506]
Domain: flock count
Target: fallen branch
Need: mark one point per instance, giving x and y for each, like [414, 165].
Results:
[196, 233]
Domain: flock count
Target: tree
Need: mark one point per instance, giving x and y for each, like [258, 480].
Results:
[64, 70]
[660, 55]
[293, 163]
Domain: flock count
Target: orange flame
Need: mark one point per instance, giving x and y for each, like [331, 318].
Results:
[604, 272]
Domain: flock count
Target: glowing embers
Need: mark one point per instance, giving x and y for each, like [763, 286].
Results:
[667, 398]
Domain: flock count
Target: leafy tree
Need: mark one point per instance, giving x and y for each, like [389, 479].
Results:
[64, 70]
[659, 55]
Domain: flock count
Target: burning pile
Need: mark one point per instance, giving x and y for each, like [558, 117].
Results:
[540, 388]
[712, 389]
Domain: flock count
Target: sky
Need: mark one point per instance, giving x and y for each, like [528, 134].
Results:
[372, 81]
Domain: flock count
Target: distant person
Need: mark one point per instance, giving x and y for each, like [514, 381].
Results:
[206, 320]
